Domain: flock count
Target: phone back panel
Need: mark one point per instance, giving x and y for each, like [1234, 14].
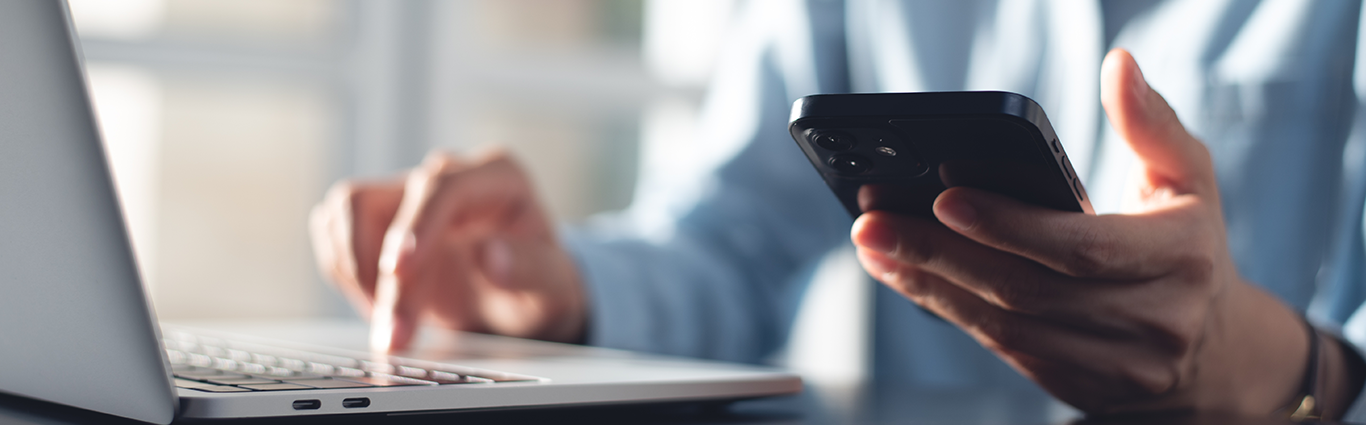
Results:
[909, 147]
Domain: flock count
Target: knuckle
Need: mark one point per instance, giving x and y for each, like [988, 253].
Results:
[910, 282]
[1013, 290]
[1198, 269]
[1002, 334]
[1150, 379]
[440, 159]
[1015, 296]
[1179, 335]
[340, 192]
[1092, 255]
[915, 249]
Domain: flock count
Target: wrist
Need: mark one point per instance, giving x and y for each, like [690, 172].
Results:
[570, 324]
[1255, 361]
[1340, 375]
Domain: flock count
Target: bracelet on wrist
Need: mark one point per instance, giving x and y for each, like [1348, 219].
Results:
[1305, 406]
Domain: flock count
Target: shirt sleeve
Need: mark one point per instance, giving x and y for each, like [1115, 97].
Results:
[709, 264]
[1343, 298]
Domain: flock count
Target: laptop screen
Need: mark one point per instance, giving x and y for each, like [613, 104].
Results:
[77, 327]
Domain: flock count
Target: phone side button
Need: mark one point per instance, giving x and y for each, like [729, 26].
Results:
[1066, 167]
[1076, 186]
[1056, 147]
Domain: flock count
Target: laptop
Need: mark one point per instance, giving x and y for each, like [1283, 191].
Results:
[76, 326]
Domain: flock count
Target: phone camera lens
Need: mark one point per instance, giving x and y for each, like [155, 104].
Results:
[849, 163]
[834, 141]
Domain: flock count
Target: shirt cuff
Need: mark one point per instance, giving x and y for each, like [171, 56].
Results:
[615, 297]
[1357, 411]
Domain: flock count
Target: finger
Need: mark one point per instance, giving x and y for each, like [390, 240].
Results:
[446, 197]
[447, 291]
[999, 278]
[370, 212]
[394, 319]
[443, 200]
[1011, 334]
[518, 291]
[1082, 245]
[331, 237]
[1173, 158]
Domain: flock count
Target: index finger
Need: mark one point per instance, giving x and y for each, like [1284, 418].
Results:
[443, 199]
[1110, 246]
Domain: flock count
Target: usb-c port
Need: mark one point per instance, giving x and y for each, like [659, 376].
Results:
[356, 403]
[307, 404]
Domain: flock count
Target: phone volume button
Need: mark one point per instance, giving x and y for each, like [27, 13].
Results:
[1067, 168]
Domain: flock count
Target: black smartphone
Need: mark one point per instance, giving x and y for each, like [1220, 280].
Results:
[911, 146]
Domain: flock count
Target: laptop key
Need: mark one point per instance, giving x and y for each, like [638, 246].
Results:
[323, 369]
[293, 364]
[199, 360]
[186, 383]
[220, 389]
[263, 359]
[201, 375]
[447, 378]
[412, 372]
[377, 367]
[243, 381]
[252, 368]
[176, 357]
[328, 383]
[382, 380]
[276, 387]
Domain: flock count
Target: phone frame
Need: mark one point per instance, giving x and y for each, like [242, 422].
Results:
[934, 131]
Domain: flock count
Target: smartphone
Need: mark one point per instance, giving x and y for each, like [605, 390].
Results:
[911, 146]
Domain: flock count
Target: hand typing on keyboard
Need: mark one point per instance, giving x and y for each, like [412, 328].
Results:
[464, 242]
[214, 365]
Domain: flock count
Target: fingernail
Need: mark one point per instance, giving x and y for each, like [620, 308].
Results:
[498, 261]
[382, 315]
[381, 330]
[1139, 83]
[957, 213]
[875, 235]
[405, 244]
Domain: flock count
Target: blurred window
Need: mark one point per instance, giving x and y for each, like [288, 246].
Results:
[227, 119]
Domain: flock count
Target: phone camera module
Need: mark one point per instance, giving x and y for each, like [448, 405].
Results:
[834, 141]
[851, 164]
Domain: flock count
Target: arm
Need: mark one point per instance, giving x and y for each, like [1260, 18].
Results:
[1114, 313]
[464, 243]
[708, 266]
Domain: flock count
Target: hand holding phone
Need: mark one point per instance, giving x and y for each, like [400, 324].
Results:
[1133, 312]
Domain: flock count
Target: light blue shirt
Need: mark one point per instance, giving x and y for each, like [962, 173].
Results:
[714, 264]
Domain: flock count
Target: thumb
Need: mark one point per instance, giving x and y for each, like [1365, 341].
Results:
[1171, 156]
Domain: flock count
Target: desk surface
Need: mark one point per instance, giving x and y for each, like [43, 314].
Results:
[818, 404]
[814, 406]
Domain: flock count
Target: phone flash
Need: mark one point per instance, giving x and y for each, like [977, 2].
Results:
[887, 151]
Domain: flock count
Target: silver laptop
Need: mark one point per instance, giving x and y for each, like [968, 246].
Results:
[76, 327]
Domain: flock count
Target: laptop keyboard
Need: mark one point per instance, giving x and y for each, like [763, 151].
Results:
[222, 366]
